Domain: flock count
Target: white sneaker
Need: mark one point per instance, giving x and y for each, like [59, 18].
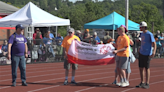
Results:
[124, 84]
[118, 84]
[127, 83]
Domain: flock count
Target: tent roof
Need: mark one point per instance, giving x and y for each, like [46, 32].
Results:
[112, 21]
[31, 15]
[7, 8]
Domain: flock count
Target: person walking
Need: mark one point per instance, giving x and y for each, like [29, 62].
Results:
[66, 44]
[145, 54]
[17, 51]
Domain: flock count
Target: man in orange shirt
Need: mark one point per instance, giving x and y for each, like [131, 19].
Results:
[66, 44]
[122, 56]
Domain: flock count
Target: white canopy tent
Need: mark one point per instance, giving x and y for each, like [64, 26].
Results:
[32, 16]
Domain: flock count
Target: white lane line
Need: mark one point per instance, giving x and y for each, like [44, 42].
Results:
[136, 88]
[49, 67]
[48, 70]
[107, 84]
[95, 79]
[55, 74]
[43, 88]
[85, 89]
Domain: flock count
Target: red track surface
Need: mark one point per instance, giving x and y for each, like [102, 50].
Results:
[49, 77]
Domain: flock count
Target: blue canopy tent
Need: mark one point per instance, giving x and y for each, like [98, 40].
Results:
[111, 22]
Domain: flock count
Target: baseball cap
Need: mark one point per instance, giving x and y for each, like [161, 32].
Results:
[78, 31]
[37, 29]
[87, 30]
[71, 30]
[143, 24]
[19, 26]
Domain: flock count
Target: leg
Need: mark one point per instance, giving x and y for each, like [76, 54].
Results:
[128, 71]
[22, 67]
[142, 75]
[14, 66]
[147, 75]
[66, 67]
[74, 68]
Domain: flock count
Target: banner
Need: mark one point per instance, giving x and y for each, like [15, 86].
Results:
[88, 54]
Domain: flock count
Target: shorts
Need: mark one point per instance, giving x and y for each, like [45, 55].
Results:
[68, 65]
[121, 62]
[128, 70]
[144, 61]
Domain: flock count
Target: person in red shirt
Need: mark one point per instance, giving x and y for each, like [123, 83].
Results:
[34, 35]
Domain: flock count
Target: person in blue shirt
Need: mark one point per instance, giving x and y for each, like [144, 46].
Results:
[59, 39]
[145, 54]
[47, 40]
[96, 37]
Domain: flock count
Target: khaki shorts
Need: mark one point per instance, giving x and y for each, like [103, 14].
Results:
[68, 65]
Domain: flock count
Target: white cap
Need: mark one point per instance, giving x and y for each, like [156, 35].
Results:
[143, 24]
[71, 30]
[78, 31]
[95, 33]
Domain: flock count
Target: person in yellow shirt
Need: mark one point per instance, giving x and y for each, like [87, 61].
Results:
[122, 45]
[66, 44]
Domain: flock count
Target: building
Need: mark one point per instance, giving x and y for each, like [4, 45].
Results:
[5, 10]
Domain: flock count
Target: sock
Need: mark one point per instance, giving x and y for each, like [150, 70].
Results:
[66, 78]
[122, 80]
[125, 80]
[73, 77]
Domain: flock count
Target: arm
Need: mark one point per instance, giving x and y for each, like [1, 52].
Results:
[9, 50]
[155, 47]
[120, 50]
[131, 42]
[26, 50]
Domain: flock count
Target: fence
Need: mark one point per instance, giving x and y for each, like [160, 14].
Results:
[44, 51]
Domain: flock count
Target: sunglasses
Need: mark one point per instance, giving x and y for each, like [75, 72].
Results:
[70, 32]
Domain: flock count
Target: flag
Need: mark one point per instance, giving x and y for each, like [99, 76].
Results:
[88, 54]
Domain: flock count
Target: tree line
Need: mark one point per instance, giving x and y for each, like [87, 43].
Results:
[81, 12]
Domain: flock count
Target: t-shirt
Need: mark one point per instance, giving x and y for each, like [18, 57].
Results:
[146, 43]
[122, 42]
[18, 44]
[67, 41]
[5, 48]
[59, 40]
[47, 40]
[51, 35]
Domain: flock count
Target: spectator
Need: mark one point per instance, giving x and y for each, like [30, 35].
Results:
[66, 44]
[59, 49]
[78, 33]
[96, 38]
[38, 39]
[48, 43]
[18, 48]
[34, 35]
[106, 38]
[86, 36]
[5, 48]
[162, 42]
[51, 36]
[158, 33]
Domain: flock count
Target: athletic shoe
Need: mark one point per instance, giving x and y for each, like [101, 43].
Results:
[24, 84]
[73, 82]
[127, 82]
[14, 84]
[114, 82]
[140, 85]
[124, 84]
[118, 84]
[66, 82]
[146, 86]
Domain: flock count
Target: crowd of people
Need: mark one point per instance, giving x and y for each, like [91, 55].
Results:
[148, 43]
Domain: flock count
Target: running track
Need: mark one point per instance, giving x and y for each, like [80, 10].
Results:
[49, 77]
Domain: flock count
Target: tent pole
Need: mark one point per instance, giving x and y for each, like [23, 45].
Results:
[126, 13]
[56, 30]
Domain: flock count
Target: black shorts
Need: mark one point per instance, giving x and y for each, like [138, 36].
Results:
[144, 61]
